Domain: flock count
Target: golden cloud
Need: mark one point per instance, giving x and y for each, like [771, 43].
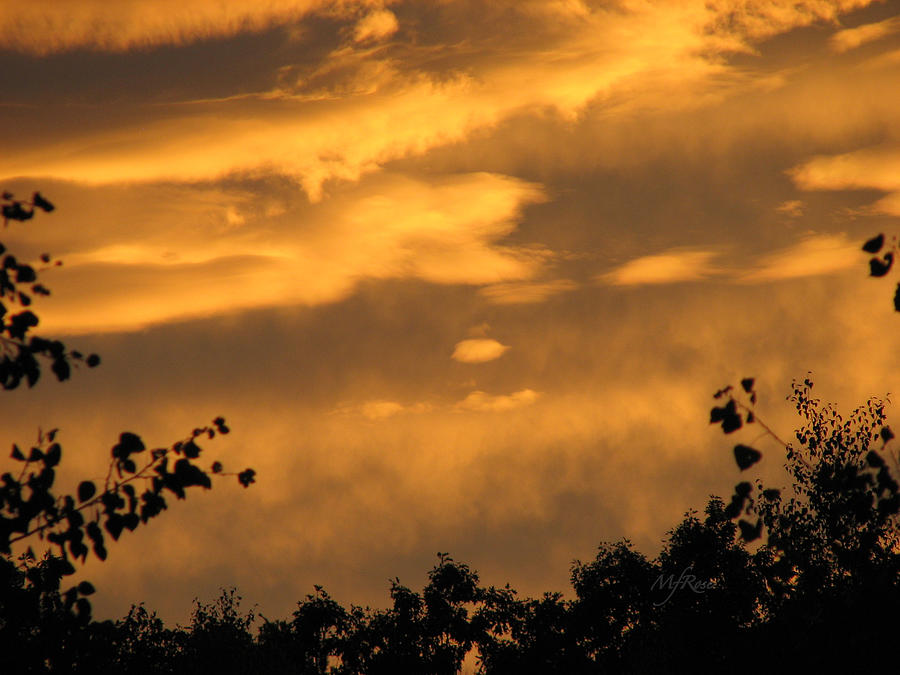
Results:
[742, 20]
[793, 208]
[444, 231]
[47, 26]
[665, 268]
[478, 350]
[876, 167]
[813, 256]
[380, 409]
[869, 168]
[375, 26]
[649, 55]
[484, 402]
[311, 141]
[525, 292]
[816, 255]
[887, 60]
[889, 204]
[851, 38]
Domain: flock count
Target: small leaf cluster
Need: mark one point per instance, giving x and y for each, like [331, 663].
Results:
[21, 209]
[882, 260]
[78, 523]
[75, 522]
[732, 416]
[19, 349]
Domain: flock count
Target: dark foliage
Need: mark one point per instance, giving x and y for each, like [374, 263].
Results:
[19, 285]
[42, 627]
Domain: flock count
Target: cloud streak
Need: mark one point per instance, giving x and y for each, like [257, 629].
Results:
[665, 268]
[814, 256]
[585, 56]
[480, 401]
[875, 168]
[46, 26]
[447, 231]
[852, 38]
[526, 292]
[377, 25]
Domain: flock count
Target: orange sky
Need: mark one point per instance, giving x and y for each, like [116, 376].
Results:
[461, 274]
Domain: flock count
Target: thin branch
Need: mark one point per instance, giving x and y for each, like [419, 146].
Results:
[155, 460]
[768, 430]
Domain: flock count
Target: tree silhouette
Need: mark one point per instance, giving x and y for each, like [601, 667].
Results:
[832, 549]
[40, 625]
[319, 632]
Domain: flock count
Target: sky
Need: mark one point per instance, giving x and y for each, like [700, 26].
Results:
[461, 275]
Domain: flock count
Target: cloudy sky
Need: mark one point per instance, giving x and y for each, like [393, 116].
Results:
[462, 275]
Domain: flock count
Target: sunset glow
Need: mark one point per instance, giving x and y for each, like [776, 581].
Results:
[462, 275]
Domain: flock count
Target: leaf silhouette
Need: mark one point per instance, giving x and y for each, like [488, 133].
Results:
[874, 459]
[745, 456]
[874, 244]
[878, 267]
[128, 443]
[86, 490]
[38, 200]
[750, 532]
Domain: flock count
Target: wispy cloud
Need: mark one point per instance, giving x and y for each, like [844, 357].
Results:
[484, 402]
[665, 268]
[526, 292]
[378, 410]
[651, 54]
[48, 26]
[851, 38]
[870, 168]
[446, 231]
[382, 409]
[814, 256]
[793, 208]
[375, 26]
[759, 19]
